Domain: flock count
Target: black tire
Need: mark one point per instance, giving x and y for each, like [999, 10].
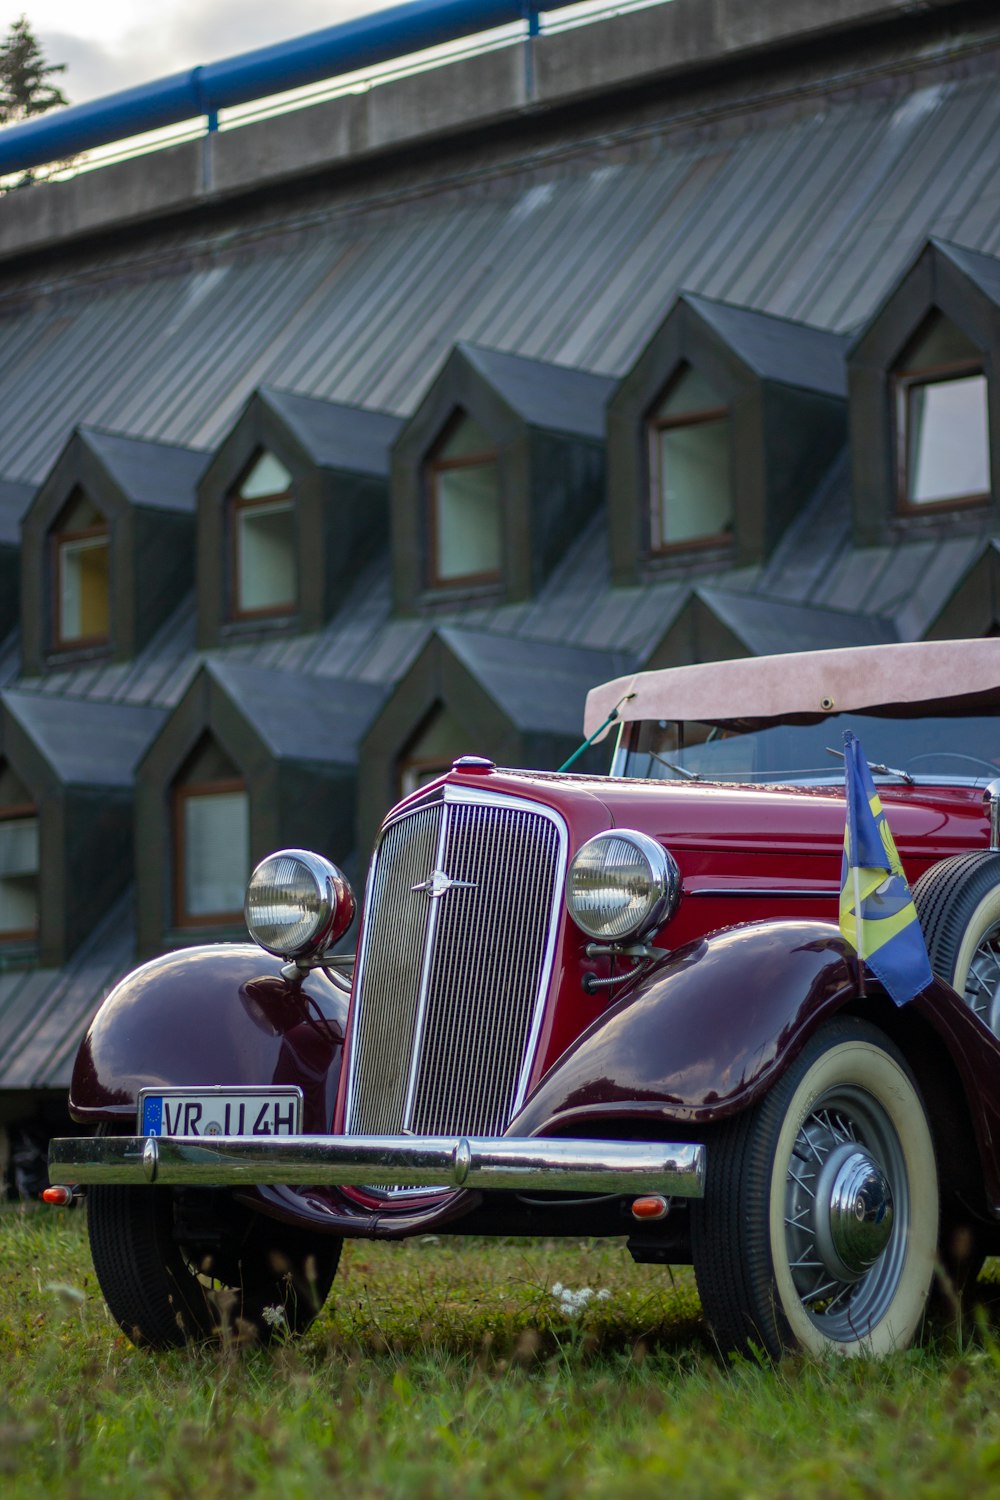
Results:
[195, 1265]
[779, 1264]
[958, 903]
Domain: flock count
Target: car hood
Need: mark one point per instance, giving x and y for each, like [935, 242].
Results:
[928, 821]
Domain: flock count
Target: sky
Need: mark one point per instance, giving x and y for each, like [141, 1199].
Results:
[109, 45]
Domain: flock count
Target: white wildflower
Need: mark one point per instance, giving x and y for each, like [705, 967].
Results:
[573, 1302]
[274, 1317]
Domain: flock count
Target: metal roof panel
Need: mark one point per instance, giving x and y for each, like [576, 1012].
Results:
[347, 438]
[86, 743]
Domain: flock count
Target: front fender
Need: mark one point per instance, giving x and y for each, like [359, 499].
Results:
[704, 1036]
[212, 1015]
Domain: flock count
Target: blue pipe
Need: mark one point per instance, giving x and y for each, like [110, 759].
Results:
[347, 48]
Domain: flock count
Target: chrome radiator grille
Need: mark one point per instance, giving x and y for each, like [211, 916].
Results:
[450, 984]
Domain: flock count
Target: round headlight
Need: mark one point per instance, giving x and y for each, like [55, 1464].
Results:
[621, 885]
[297, 904]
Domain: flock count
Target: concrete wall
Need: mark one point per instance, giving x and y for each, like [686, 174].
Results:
[624, 52]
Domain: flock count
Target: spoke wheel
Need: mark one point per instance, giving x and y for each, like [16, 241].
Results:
[840, 1211]
[958, 903]
[819, 1224]
[177, 1267]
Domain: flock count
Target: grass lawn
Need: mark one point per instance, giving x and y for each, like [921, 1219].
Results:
[449, 1367]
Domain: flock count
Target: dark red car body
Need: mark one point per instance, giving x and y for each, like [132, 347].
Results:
[749, 969]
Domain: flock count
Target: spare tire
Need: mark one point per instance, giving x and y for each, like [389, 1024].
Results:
[958, 903]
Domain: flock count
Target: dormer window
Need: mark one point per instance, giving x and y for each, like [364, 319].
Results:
[211, 840]
[942, 423]
[263, 528]
[18, 859]
[432, 751]
[690, 465]
[463, 479]
[81, 545]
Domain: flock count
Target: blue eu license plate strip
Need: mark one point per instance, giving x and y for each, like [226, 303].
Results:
[218, 1111]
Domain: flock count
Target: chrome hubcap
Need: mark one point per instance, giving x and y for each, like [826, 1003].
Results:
[853, 1212]
[845, 1222]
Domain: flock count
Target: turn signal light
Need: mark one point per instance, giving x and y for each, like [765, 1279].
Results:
[62, 1197]
[652, 1207]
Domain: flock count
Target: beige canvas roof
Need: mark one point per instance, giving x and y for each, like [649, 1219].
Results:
[803, 682]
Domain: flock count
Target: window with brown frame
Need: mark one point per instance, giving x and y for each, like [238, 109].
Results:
[690, 464]
[81, 567]
[463, 481]
[942, 420]
[262, 514]
[211, 840]
[18, 859]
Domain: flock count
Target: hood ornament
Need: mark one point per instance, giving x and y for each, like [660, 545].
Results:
[438, 884]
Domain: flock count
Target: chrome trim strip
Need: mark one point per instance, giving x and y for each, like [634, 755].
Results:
[367, 930]
[991, 806]
[360, 964]
[555, 914]
[483, 798]
[832, 894]
[427, 960]
[488, 1163]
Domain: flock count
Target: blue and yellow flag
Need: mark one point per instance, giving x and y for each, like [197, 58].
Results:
[877, 915]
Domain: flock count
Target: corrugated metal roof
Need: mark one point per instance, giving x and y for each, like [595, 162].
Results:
[296, 721]
[984, 270]
[161, 475]
[809, 211]
[14, 501]
[45, 1012]
[542, 691]
[778, 349]
[347, 438]
[545, 395]
[86, 743]
[768, 627]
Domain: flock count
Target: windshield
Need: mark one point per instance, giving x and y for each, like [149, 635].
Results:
[963, 748]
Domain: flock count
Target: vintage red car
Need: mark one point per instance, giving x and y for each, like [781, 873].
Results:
[593, 1005]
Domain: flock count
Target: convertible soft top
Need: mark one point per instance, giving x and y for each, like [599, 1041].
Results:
[966, 673]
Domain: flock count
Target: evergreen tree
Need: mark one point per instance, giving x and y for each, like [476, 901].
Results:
[24, 74]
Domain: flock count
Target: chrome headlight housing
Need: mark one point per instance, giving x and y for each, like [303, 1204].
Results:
[621, 885]
[297, 904]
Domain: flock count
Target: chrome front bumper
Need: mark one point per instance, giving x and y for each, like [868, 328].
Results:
[486, 1163]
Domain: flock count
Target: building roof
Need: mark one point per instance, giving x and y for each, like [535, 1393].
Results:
[14, 501]
[296, 717]
[337, 437]
[86, 743]
[779, 349]
[982, 270]
[769, 626]
[161, 475]
[541, 690]
[45, 1012]
[808, 208]
[545, 395]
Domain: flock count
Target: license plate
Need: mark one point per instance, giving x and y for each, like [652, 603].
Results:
[220, 1111]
